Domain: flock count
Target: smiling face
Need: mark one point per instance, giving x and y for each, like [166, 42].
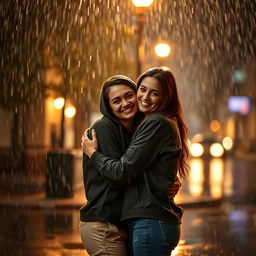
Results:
[149, 95]
[122, 101]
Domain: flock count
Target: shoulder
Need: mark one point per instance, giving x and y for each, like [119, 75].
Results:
[154, 118]
[160, 119]
[105, 128]
[172, 123]
[162, 122]
[103, 123]
[153, 123]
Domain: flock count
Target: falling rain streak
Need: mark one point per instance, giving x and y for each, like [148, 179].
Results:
[65, 49]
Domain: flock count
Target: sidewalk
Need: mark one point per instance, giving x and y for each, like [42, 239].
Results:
[39, 200]
[29, 197]
[57, 220]
[22, 192]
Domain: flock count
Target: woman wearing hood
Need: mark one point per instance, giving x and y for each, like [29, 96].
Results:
[100, 218]
[157, 153]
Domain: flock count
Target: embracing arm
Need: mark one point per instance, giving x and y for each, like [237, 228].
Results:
[149, 140]
[108, 142]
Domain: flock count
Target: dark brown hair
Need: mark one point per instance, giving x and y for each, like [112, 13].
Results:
[116, 80]
[171, 107]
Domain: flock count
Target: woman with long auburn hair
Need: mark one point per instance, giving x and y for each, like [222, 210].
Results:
[171, 107]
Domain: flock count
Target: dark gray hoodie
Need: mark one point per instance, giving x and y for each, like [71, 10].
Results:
[104, 196]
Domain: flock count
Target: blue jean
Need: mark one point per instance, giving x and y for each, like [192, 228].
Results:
[150, 237]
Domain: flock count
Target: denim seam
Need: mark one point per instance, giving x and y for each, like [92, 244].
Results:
[163, 237]
[166, 242]
[147, 236]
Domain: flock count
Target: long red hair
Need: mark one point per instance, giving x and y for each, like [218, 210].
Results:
[171, 107]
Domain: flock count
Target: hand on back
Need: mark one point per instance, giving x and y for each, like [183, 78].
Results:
[89, 146]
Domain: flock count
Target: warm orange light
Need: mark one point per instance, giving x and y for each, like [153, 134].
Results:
[142, 3]
[70, 111]
[196, 149]
[175, 251]
[230, 128]
[216, 150]
[215, 126]
[196, 177]
[227, 143]
[59, 103]
[216, 177]
[162, 50]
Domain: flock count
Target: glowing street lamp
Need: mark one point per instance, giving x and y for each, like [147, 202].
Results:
[162, 50]
[59, 103]
[142, 3]
[70, 111]
[141, 6]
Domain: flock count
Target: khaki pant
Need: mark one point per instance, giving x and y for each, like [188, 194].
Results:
[103, 239]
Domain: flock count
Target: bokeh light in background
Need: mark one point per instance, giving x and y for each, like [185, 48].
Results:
[162, 50]
[59, 103]
[215, 125]
[196, 177]
[216, 177]
[216, 150]
[196, 150]
[70, 111]
[238, 76]
[227, 143]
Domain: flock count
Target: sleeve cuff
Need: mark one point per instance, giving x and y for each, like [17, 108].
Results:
[95, 161]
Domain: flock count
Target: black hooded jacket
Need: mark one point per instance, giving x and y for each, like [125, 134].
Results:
[149, 167]
[104, 196]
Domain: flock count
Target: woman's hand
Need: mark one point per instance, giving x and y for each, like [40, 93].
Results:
[89, 146]
[174, 188]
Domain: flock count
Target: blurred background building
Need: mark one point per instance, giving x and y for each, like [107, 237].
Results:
[55, 56]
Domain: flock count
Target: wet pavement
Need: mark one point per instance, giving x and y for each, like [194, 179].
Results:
[219, 218]
[228, 230]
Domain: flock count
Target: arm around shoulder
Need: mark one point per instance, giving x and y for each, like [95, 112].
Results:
[148, 141]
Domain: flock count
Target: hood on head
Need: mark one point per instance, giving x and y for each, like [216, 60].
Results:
[114, 80]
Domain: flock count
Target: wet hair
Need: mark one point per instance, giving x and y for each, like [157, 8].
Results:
[171, 107]
[116, 80]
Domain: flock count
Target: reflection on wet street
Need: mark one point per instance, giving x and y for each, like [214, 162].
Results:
[225, 229]
[205, 180]
[219, 178]
[40, 232]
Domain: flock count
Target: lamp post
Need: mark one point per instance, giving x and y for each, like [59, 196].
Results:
[162, 50]
[141, 6]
